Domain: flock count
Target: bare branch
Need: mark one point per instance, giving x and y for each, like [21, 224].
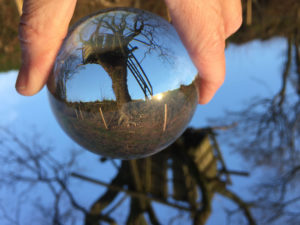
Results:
[245, 207]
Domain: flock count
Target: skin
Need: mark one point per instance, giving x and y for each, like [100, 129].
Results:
[202, 25]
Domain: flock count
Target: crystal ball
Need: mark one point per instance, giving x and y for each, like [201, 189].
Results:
[123, 85]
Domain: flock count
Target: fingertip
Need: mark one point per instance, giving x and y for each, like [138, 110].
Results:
[28, 82]
[207, 90]
[204, 100]
[20, 82]
[211, 66]
[25, 91]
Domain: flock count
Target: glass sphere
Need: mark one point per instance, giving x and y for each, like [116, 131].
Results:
[123, 85]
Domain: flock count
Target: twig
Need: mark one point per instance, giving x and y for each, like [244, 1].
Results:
[243, 205]
[165, 118]
[102, 116]
[285, 73]
[81, 115]
[19, 4]
[116, 205]
[76, 113]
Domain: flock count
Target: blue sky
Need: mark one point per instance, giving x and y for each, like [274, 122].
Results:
[253, 70]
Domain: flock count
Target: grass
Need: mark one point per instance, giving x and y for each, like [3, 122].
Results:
[143, 134]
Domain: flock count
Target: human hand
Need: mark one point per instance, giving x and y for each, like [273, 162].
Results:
[203, 27]
[43, 26]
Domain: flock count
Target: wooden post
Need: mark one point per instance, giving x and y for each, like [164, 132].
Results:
[148, 172]
[137, 4]
[103, 119]
[249, 12]
[137, 180]
[165, 118]
[19, 4]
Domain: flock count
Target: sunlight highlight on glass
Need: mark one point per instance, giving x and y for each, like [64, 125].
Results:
[123, 84]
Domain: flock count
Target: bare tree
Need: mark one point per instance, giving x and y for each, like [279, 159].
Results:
[192, 159]
[268, 135]
[111, 45]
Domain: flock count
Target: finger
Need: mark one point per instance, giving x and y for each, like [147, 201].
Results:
[43, 26]
[232, 14]
[200, 25]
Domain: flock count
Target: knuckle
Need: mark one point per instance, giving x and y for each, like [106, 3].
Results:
[27, 32]
[237, 22]
[233, 24]
[211, 44]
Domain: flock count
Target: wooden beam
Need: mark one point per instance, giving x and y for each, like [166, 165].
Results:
[136, 194]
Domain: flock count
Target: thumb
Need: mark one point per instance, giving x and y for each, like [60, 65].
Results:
[43, 26]
[200, 26]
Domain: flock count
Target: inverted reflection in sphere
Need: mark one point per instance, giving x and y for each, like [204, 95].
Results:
[122, 84]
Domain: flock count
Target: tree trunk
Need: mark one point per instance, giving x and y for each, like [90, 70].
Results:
[115, 64]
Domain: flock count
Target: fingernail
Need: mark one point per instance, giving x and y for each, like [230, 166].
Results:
[21, 80]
